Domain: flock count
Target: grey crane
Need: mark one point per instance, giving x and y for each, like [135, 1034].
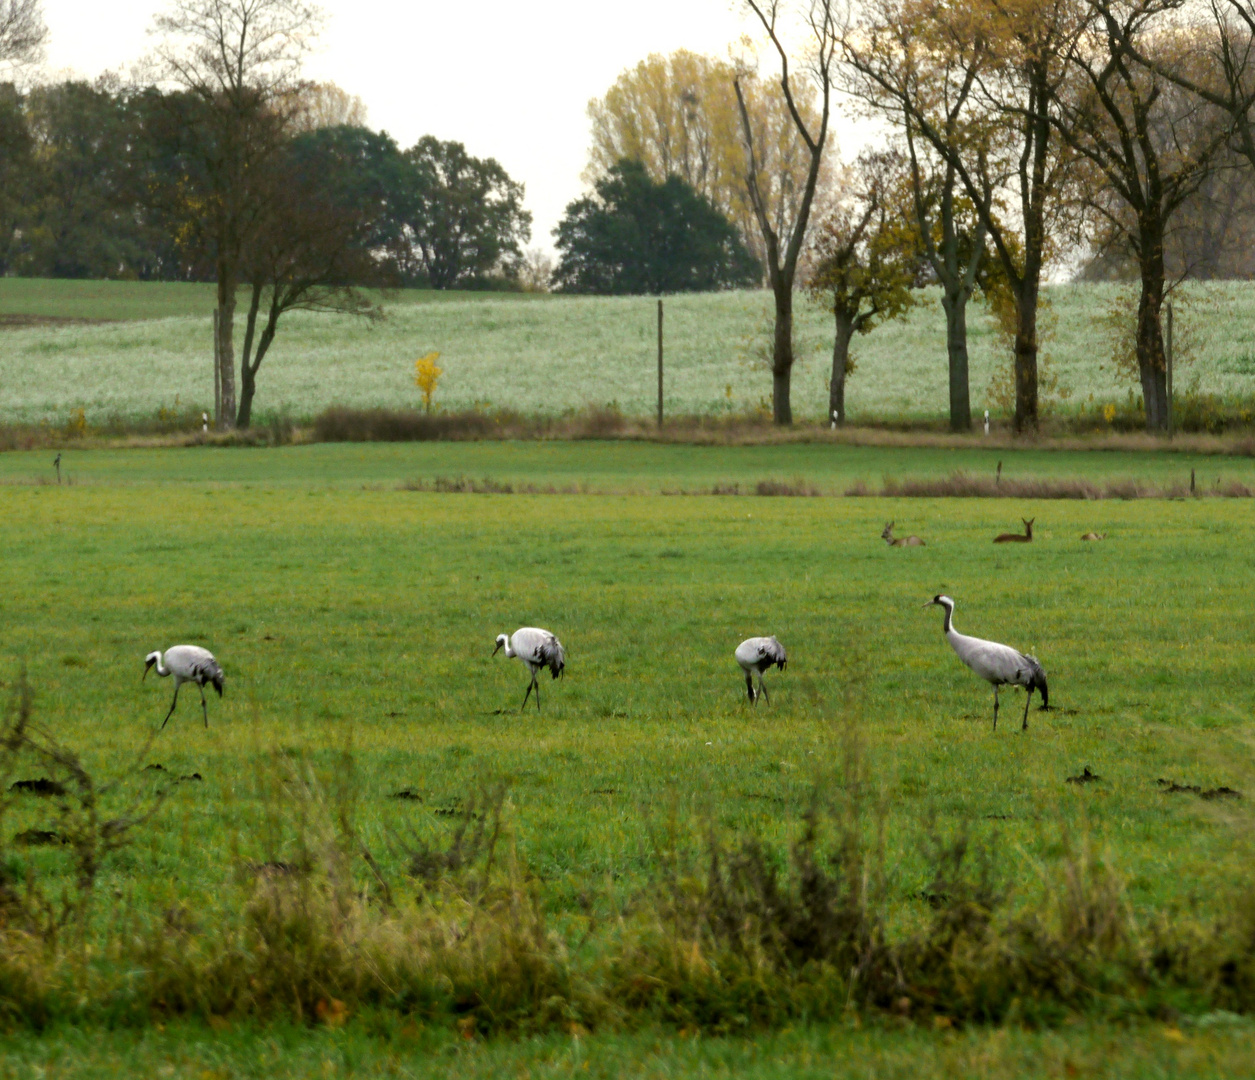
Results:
[759, 654]
[999, 665]
[187, 663]
[537, 649]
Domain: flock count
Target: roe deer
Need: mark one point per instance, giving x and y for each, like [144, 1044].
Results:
[906, 541]
[1016, 538]
[1094, 536]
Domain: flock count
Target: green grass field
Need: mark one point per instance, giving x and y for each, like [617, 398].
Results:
[1221, 1051]
[627, 467]
[550, 354]
[352, 615]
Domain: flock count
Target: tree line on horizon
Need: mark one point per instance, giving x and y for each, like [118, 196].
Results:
[1018, 133]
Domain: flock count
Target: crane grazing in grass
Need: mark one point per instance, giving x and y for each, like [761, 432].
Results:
[999, 665]
[758, 654]
[187, 663]
[538, 649]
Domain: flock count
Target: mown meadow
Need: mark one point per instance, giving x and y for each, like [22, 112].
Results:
[128, 350]
[355, 617]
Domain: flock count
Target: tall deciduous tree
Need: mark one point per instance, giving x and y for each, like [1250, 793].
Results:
[636, 235]
[994, 66]
[1149, 145]
[79, 219]
[325, 105]
[22, 31]
[678, 114]
[240, 61]
[15, 170]
[317, 245]
[783, 240]
[868, 262]
[464, 215]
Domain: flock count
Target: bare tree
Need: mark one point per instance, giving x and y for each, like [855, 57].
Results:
[22, 31]
[241, 61]
[783, 242]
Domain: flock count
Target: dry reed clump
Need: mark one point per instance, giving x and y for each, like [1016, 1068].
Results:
[339, 424]
[461, 485]
[964, 485]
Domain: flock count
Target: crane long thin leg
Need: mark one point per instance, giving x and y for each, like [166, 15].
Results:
[1027, 698]
[536, 683]
[172, 705]
[203, 709]
[762, 689]
[995, 707]
[527, 695]
[749, 686]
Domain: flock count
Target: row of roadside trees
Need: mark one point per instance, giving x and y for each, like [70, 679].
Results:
[1016, 132]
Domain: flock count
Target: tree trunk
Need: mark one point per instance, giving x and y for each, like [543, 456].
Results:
[248, 372]
[782, 354]
[840, 362]
[1026, 357]
[226, 343]
[1152, 368]
[954, 301]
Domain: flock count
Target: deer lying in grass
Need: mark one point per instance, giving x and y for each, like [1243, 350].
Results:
[1094, 536]
[1016, 538]
[905, 541]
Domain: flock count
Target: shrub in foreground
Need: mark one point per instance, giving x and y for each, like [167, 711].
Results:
[731, 933]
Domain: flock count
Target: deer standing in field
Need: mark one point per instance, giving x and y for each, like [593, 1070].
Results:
[1017, 538]
[905, 541]
[1094, 536]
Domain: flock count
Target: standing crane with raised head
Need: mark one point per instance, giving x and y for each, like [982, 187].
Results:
[538, 649]
[187, 663]
[999, 665]
[759, 654]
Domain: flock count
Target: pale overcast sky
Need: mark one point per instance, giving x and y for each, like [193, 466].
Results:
[508, 79]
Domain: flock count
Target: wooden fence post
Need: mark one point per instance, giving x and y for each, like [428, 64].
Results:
[660, 363]
[217, 375]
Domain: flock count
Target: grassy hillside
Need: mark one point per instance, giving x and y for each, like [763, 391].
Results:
[550, 354]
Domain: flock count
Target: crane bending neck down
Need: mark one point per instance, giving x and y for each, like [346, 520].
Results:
[503, 642]
[155, 658]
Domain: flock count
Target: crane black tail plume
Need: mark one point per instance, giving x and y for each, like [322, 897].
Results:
[552, 657]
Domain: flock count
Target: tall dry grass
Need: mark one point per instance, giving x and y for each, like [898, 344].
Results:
[730, 933]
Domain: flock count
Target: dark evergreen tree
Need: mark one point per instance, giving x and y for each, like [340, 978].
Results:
[635, 235]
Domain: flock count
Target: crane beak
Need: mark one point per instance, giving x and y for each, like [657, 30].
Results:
[497, 649]
[928, 604]
[147, 668]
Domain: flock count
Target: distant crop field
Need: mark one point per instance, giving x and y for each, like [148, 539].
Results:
[550, 354]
